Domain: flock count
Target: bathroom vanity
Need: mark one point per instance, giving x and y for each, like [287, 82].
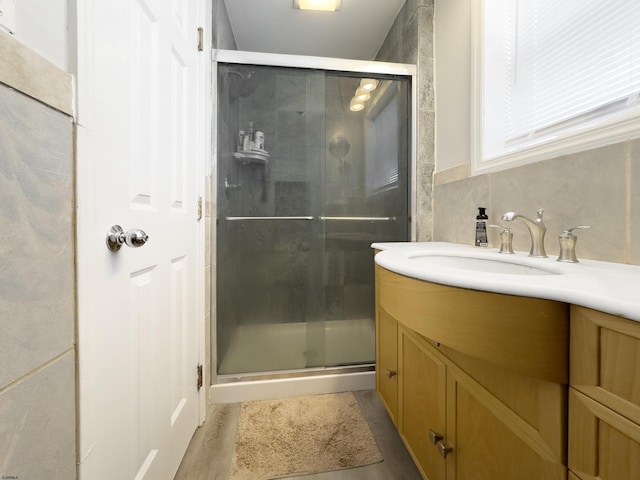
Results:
[491, 371]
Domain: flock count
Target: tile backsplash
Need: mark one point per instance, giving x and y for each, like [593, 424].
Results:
[599, 187]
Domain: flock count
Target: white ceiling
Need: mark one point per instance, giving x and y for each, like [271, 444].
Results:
[356, 31]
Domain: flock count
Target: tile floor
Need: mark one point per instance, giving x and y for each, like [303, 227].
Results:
[210, 451]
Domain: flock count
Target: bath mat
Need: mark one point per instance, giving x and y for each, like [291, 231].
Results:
[301, 435]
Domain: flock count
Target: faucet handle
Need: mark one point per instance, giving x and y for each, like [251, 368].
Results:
[502, 227]
[568, 244]
[506, 239]
[567, 230]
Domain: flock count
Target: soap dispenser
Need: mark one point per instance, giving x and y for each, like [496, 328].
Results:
[481, 228]
[568, 245]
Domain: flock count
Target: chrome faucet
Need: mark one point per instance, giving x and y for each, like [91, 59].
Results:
[537, 229]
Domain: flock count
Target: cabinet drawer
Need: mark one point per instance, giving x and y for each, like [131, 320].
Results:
[605, 360]
[603, 445]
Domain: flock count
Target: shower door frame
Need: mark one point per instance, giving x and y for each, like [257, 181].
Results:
[303, 62]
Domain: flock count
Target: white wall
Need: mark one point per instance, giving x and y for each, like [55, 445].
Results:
[41, 25]
[452, 59]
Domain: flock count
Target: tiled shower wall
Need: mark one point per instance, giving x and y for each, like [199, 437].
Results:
[410, 40]
[37, 291]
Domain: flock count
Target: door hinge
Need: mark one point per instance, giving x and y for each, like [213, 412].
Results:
[199, 385]
[199, 216]
[200, 39]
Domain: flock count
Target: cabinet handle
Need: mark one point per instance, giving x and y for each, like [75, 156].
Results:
[390, 373]
[435, 437]
[443, 449]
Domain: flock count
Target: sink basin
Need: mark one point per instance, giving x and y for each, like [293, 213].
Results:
[478, 264]
[605, 286]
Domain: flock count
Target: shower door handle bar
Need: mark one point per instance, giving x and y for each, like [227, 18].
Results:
[349, 219]
[361, 219]
[237, 219]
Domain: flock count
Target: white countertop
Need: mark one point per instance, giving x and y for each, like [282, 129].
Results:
[609, 287]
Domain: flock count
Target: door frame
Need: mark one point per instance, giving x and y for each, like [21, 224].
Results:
[205, 226]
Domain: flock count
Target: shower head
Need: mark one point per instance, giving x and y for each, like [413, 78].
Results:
[339, 147]
[242, 84]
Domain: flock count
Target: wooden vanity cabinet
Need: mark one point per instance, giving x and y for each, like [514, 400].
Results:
[488, 438]
[460, 416]
[604, 398]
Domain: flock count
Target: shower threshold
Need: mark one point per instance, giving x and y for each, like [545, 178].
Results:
[349, 362]
[300, 373]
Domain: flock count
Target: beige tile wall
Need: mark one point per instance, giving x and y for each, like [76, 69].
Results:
[37, 275]
[28, 72]
[599, 187]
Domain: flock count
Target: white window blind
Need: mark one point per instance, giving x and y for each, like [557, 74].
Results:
[552, 69]
[382, 141]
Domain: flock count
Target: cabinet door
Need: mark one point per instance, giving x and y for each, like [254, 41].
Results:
[422, 384]
[489, 441]
[603, 445]
[387, 362]
[605, 360]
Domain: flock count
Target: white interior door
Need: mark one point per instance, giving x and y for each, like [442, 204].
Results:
[138, 167]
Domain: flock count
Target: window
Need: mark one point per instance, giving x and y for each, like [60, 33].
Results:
[382, 139]
[553, 78]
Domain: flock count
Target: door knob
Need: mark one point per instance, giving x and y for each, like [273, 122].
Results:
[116, 237]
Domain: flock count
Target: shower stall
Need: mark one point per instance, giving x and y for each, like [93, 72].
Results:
[314, 163]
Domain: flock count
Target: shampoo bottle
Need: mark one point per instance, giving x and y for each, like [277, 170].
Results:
[258, 140]
[250, 135]
[481, 228]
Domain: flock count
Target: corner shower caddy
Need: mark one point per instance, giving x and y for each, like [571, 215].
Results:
[252, 156]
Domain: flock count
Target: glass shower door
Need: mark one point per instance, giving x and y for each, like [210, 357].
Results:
[297, 211]
[269, 243]
[366, 201]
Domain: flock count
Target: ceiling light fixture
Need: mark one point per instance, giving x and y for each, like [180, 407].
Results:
[368, 84]
[319, 5]
[356, 105]
[362, 94]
